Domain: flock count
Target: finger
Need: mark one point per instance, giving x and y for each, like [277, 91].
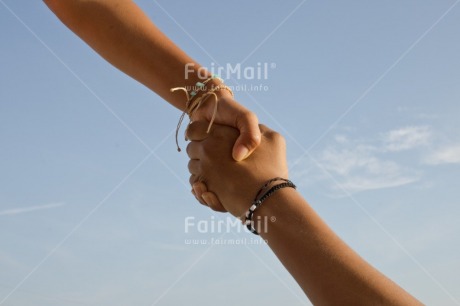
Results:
[193, 150]
[197, 131]
[194, 166]
[200, 188]
[199, 200]
[213, 201]
[193, 178]
[194, 191]
[249, 138]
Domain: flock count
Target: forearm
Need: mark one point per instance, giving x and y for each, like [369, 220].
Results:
[122, 34]
[328, 271]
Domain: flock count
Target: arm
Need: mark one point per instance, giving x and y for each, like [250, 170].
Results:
[122, 34]
[329, 271]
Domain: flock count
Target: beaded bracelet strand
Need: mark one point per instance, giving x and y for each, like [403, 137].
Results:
[259, 199]
[249, 213]
[193, 103]
[265, 186]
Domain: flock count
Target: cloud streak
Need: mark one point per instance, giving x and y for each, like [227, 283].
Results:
[367, 164]
[444, 155]
[407, 138]
[360, 168]
[22, 210]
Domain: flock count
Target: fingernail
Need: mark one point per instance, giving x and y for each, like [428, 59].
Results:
[241, 153]
[205, 198]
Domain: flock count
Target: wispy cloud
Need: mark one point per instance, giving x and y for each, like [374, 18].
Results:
[407, 138]
[22, 210]
[444, 155]
[366, 164]
[378, 162]
[361, 168]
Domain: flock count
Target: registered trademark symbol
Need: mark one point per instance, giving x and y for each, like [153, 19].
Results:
[273, 66]
[273, 219]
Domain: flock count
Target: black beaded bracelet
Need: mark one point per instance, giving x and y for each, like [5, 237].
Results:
[260, 198]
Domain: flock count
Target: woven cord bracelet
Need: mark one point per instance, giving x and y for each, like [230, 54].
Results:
[194, 102]
[260, 199]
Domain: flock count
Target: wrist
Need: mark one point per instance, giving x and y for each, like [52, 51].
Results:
[276, 211]
[257, 223]
[222, 94]
[211, 82]
[240, 193]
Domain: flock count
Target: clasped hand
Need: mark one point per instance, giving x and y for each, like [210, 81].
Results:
[218, 180]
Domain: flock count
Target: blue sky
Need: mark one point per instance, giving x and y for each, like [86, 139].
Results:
[366, 94]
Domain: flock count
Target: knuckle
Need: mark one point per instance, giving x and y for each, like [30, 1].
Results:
[250, 116]
[278, 137]
[192, 179]
[207, 150]
[201, 178]
[190, 129]
[188, 149]
[275, 137]
[252, 142]
[196, 130]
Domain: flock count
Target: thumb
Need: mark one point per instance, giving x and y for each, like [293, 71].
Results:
[249, 138]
